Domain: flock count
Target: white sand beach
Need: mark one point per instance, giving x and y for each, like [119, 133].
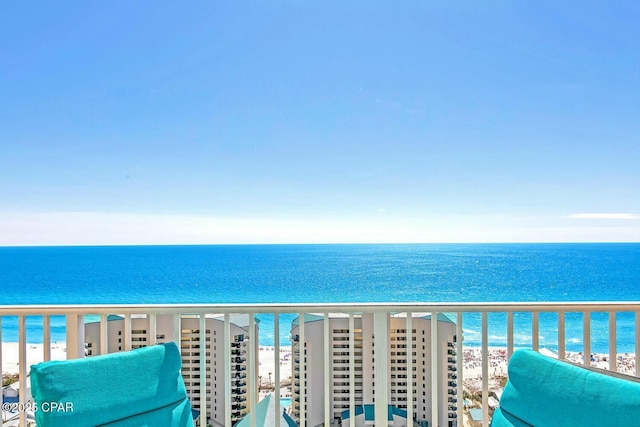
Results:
[267, 365]
[267, 362]
[35, 354]
[497, 358]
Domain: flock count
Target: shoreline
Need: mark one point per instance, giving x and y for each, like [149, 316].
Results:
[472, 359]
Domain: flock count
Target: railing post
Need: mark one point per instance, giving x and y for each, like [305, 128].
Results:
[613, 356]
[435, 370]
[75, 336]
[561, 336]
[328, 353]
[460, 370]
[276, 369]
[485, 370]
[352, 370]
[151, 334]
[253, 340]
[303, 370]
[227, 369]
[509, 334]
[127, 333]
[409, 337]
[22, 366]
[203, 365]
[104, 334]
[381, 348]
[46, 338]
[586, 333]
[535, 331]
[637, 314]
[177, 330]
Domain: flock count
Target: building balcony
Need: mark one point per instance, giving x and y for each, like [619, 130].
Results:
[242, 359]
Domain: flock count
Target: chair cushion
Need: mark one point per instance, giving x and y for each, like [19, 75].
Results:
[103, 389]
[546, 392]
[502, 418]
[175, 414]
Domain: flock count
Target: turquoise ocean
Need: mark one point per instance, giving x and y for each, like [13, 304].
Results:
[334, 273]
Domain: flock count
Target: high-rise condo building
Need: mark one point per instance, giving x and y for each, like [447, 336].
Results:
[338, 377]
[167, 327]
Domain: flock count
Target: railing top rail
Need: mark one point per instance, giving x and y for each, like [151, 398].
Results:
[356, 307]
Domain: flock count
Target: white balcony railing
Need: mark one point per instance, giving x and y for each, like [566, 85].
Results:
[450, 392]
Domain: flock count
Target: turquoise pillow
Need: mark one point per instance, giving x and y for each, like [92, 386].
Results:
[546, 392]
[104, 389]
[502, 418]
[176, 414]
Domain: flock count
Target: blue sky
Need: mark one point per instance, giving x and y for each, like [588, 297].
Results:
[319, 121]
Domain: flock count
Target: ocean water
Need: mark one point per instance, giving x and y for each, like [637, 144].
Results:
[333, 273]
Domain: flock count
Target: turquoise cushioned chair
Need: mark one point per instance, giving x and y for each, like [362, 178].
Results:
[545, 392]
[138, 388]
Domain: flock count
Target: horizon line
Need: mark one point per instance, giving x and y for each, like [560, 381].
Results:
[96, 245]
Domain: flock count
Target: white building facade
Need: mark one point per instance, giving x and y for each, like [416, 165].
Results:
[399, 377]
[167, 327]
